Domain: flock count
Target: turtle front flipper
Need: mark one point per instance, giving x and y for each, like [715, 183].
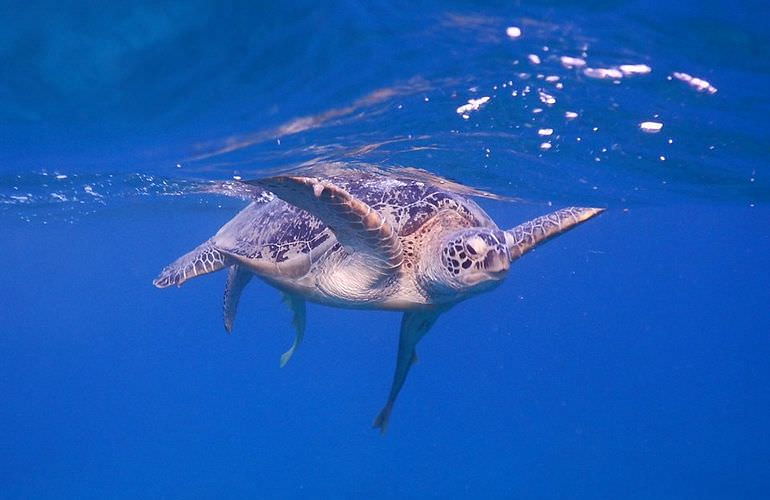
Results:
[203, 260]
[414, 325]
[237, 279]
[356, 225]
[298, 309]
[528, 235]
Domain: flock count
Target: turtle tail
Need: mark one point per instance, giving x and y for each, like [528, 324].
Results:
[203, 260]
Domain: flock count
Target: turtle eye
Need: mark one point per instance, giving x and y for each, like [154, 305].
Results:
[470, 250]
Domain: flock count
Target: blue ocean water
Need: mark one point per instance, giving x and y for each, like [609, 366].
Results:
[626, 359]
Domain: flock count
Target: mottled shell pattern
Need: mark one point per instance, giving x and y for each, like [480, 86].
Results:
[272, 231]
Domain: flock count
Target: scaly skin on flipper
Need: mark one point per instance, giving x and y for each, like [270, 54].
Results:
[355, 224]
[528, 235]
[203, 260]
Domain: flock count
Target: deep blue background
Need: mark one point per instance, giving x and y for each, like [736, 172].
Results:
[627, 359]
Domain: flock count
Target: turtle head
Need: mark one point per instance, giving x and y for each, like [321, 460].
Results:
[471, 260]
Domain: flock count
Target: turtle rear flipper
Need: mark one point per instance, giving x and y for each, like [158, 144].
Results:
[414, 325]
[203, 260]
[299, 311]
[237, 279]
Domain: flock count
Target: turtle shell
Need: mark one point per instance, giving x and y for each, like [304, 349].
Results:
[278, 237]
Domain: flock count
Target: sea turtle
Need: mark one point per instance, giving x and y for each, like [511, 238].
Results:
[359, 239]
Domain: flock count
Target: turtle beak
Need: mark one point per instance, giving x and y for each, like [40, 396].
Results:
[497, 263]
